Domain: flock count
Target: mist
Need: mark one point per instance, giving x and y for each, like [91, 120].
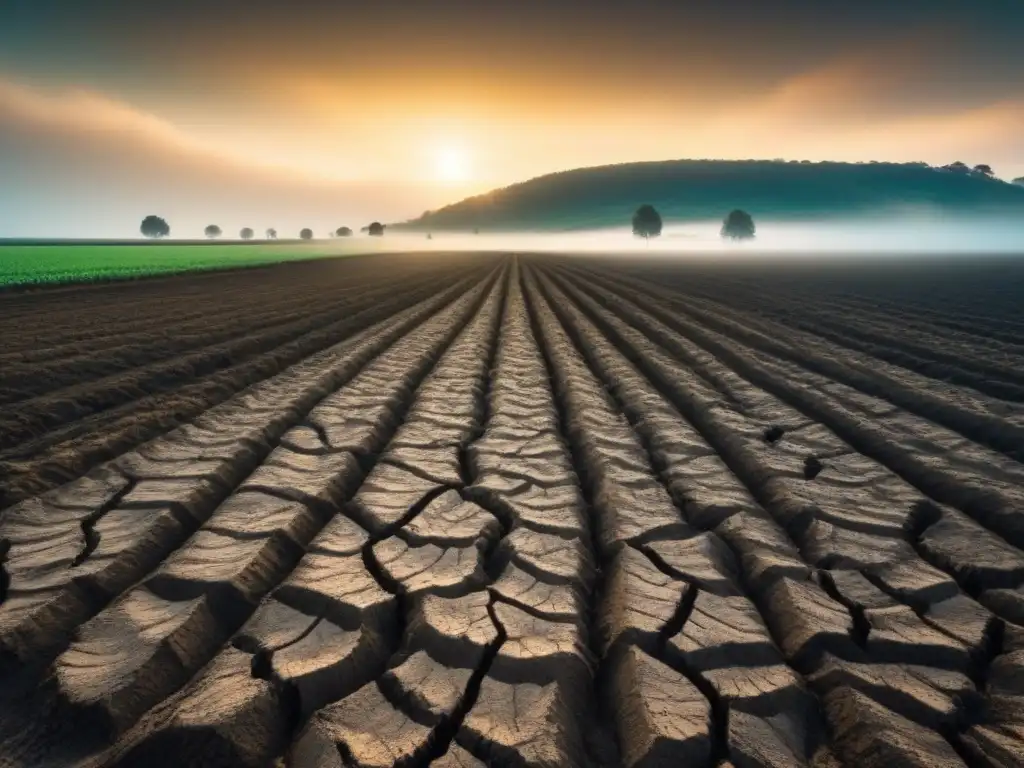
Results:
[922, 233]
[880, 236]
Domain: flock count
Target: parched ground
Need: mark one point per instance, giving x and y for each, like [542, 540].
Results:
[480, 510]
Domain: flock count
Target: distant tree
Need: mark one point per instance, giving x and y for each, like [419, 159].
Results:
[957, 167]
[476, 230]
[738, 225]
[343, 232]
[429, 236]
[646, 222]
[271, 234]
[212, 231]
[306, 234]
[1019, 181]
[983, 170]
[246, 233]
[154, 226]
[376, 229]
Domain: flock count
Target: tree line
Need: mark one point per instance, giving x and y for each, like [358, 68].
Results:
[156, 227]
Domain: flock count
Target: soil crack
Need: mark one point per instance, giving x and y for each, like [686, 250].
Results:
[587, 485]
[90, 536]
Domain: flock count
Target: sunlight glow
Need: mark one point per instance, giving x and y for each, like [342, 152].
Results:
[451, 164]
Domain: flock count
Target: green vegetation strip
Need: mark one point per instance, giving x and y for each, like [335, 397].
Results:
[81, 262]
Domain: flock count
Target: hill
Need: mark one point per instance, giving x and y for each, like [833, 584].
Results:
[687, 190]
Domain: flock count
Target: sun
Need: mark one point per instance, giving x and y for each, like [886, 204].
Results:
[451, 164]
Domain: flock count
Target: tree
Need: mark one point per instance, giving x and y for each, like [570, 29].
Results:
[212, 231]
[344, 232]
[738, 225]
[376, 229]
[646, 222]
[306, 234]
[154, 226]
[271, 234]
[1019, 181]
[246, 234]
[957, 167]
[983, 170]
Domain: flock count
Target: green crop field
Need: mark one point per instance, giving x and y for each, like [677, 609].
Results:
[22, 264]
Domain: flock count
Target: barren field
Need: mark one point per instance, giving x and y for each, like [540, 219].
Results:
[476, 510]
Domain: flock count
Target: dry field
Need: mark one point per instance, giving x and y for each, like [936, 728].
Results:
[494, 511]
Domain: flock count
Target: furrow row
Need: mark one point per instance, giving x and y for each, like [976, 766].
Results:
[141, 353]
[320, 641]
[694, 585]
[992, 423]
[988, 366]
[70, 451]
[492, 669]
[940, 462]
[876, 560]
[127, 656]
[50, 410]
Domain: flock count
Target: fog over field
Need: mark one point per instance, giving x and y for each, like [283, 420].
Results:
[883, 234]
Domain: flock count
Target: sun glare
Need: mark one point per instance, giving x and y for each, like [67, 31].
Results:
[451, 164]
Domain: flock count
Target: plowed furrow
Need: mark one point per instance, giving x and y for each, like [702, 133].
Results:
[30, 418]
[877, 575]
[992, 423]
[186, 472]
[491, 670]
[715, 629]
[860, 477]
[133, 326]
[518, 512]
[214, 340]
[70, 451]
[50, 325]
[153, 638]
[882, 322]
[1001, 376]
[330, 627]
[942, 463]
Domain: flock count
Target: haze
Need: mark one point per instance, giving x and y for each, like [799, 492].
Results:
[881, 235]
[324, 114]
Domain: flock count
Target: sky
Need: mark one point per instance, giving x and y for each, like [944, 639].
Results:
[326, 113]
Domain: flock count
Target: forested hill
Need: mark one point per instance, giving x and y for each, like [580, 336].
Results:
[684, 190]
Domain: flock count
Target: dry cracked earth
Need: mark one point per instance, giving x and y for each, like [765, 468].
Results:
[514, 511]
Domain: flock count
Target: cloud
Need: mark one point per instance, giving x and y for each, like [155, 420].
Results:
[870, 106]
[81, 164]
[88, 112]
